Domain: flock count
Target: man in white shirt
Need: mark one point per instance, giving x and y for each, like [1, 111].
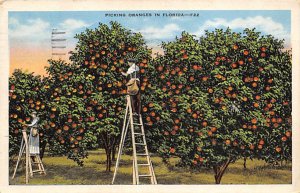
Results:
[133, 72]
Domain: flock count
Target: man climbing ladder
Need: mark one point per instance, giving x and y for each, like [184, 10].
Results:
[142, 167]
[133, 86]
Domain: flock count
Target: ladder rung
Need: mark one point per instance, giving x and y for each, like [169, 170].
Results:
[143, 164]
[37, 171]
[146, 175]
[140, 143]
[138, 134]
[142, 154]
[137, 124]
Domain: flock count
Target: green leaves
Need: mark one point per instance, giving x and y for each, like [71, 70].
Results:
[204, 99]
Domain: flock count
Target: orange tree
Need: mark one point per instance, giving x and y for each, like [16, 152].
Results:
[26, 94]
[58, 110]
[101, 55]
[67, 113]
[220, 98]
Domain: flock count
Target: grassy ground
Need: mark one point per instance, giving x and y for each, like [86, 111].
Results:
[62, 171]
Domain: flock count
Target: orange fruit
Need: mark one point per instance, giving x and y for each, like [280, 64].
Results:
[254, 84]
[227, 142]
[213, 129]
[254, 121]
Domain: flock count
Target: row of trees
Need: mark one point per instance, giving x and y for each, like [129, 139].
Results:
[209, 101]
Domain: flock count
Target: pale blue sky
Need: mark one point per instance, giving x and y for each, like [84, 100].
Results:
[35, 27]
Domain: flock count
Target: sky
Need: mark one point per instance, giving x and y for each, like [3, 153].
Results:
[30, 32]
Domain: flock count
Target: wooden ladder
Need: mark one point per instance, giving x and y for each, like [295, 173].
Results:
[141, 158]
[24, 149]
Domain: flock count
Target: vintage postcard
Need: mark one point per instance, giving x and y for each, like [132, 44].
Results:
[183, 96]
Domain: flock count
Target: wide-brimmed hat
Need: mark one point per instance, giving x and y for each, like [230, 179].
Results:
[33, 113]
[131, 60]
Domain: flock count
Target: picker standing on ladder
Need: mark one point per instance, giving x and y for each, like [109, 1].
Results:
[141, 156]
[34, 140]
[133, 86]
[30, 145]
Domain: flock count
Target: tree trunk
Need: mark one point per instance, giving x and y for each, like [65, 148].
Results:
[220, 169]
[113, 153]
[108, 160]
[43, 146]
[245, 166]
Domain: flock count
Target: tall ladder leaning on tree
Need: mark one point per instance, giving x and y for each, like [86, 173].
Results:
[141, 158]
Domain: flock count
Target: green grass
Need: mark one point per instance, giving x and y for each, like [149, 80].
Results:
[63, 171]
